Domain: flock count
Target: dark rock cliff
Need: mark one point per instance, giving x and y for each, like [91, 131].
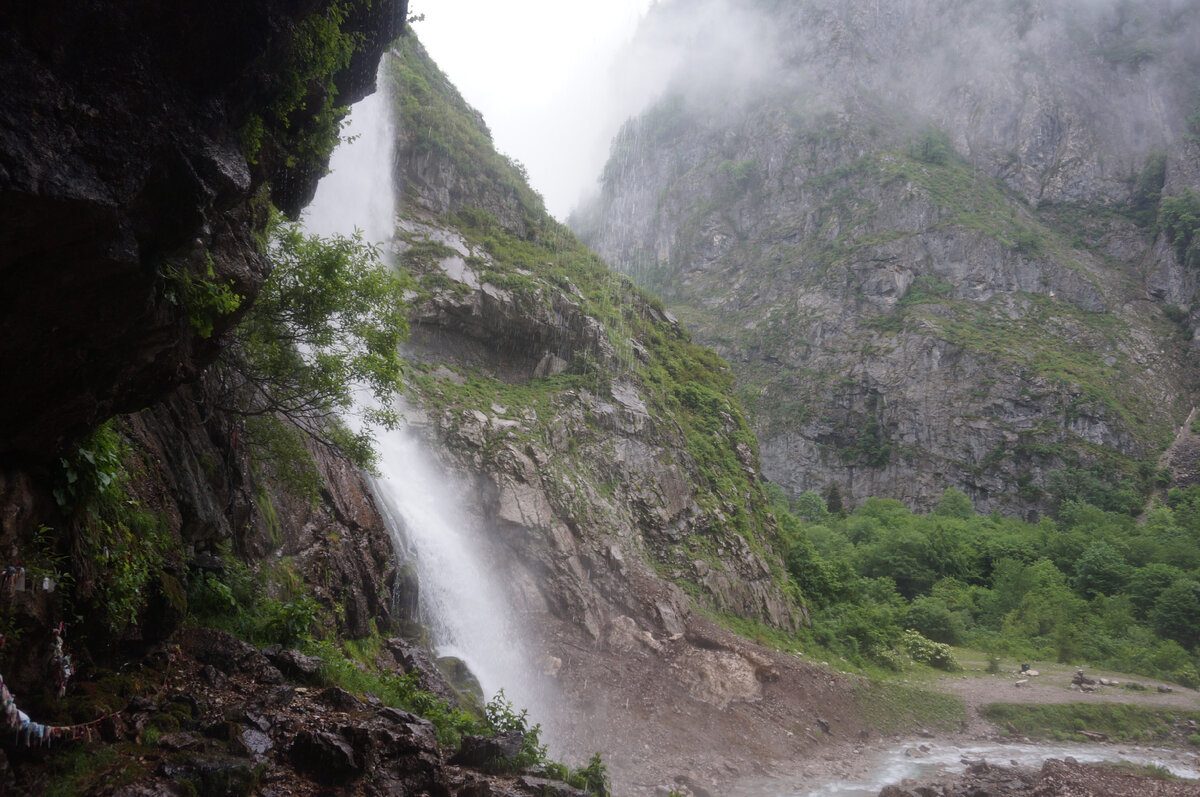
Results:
[125, 180]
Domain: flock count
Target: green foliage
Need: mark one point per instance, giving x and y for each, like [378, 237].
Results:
[954, 503]
[93, 474]
[1062, 721]
[83, 769]
[932, 618]
[1147, 191]
[328, 320]
[398, 690]
[118, 549]
[237, 599]
[735, 177]
[303, 119]
[933, 146]
[1179, 218]
[441, 123]
[1176, 611]
[501, 717]
[592, 778]
[1094, 586]
[203, 298]
[926, 651]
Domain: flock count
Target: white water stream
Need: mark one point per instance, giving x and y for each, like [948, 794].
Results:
[461, 602]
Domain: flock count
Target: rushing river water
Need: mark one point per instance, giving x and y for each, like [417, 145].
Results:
[927, 759]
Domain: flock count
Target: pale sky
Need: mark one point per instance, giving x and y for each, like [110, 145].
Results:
[542, 74]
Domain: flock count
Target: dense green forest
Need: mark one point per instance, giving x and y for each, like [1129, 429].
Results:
[1087, 586]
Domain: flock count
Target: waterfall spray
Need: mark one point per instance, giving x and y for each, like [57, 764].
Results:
[461, 602]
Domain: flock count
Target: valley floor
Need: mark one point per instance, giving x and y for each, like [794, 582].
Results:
[712, 714]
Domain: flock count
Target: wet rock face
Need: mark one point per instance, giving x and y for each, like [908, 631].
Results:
[585, 491]
[121, 163]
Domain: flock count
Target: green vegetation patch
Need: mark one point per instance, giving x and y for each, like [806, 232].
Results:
[891, 707]
[1120, 722]
[443, 124]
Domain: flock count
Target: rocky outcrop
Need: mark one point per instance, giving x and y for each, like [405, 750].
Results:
[1055, 777]
[584, 485]
[133, 145]
[609, 461]
[914, 233]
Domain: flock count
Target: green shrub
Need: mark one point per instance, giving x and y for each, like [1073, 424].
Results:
[932, 146]
[926, 651]
[501, 717]
[592, 778]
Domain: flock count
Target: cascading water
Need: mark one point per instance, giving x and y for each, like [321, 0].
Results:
[461, 603]
[357, 193]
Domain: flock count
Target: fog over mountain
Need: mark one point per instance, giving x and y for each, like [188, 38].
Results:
[927, 235]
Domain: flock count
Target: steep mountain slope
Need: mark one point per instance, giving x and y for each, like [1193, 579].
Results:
[924, 235]
[589, 408]
[607, 461]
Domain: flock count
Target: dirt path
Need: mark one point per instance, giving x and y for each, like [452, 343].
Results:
[1053, 685]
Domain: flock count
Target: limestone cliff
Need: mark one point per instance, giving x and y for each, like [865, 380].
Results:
[924, 236]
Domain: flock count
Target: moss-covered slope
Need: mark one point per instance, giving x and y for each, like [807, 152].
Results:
[606, 439]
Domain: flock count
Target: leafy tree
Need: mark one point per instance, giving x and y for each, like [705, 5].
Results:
[903, 556]
[327, 322]
[1047, 605]
[811, 508]
[1101, 570]
[954, 503]
[934, 620]
[1148, 583]
[833, 500]
[1179, 217]
[1148, 190]
[1176, 611]
[932, 146]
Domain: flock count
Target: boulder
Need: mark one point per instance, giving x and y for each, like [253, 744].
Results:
[478, 751]
[339, 699]
[327, 756]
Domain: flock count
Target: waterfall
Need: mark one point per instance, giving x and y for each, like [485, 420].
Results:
[461, 602]
[357, 192]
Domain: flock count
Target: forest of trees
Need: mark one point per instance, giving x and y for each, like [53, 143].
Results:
[1087, 587]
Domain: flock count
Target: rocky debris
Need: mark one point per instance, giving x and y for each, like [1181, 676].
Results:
[415, 659]
[1081, 680]
[212, 774]
[339, 699]
[228, 654]
[237, 737]
[252, 742]
[1054, 779]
